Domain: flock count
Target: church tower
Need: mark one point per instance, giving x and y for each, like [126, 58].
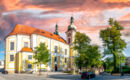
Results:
[70, 33]
[70, 37]
[56, 30]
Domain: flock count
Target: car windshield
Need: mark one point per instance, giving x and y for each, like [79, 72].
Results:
[90, 72]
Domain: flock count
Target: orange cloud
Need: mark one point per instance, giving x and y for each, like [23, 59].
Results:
[125, 17]
[11, 4]
[116, 1]
[64, 5]
[90, 13]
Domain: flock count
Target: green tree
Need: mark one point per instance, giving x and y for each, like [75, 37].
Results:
[93, 56]
[81, 42]
[108, 64]
[41, 55]
[113, 43]
[89, 55]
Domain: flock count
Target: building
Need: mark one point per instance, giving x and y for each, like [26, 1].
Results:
[70, 33]
[127, 62]
[20, 44]
[1, 64]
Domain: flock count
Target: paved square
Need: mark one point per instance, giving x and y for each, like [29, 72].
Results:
[56, 76]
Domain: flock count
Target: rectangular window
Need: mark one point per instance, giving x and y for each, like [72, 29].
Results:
[29, 57]
[56, 49]
[60, 50]
[65, 60]
[55, 59]
[29, 66]
[11, 57]
[25, 44]
[11, 45]
[65, 51]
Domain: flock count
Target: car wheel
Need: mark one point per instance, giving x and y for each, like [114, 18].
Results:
[82, 77]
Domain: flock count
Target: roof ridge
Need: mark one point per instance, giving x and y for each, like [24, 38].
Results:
[28, 30]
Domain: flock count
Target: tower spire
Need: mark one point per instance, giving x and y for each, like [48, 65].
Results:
[56, 29]
[71, 20]
[72, 26]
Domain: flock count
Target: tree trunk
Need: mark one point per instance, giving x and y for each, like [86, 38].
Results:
[40, 70]
[115, 62]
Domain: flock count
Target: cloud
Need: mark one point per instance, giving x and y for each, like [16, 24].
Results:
[125, 17]
[116, 1]
[90, 15]
[64, 5]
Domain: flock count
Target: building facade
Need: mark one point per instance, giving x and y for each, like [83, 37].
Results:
[1, 64]
[127, 61]
[20, 44]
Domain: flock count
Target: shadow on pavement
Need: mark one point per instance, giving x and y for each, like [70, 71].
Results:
[65, 76]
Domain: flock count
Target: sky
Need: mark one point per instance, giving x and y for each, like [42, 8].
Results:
[90, 17]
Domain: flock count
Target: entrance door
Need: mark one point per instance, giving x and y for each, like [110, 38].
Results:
[55, 67]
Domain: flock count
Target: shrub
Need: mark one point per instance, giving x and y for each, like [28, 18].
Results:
[126, 69]
[116, 70]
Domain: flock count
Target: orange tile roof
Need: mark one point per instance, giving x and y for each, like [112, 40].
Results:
[27, 30]
[26, 49]
[22, 29]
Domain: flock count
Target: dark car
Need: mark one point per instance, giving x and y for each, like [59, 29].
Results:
[87, 75]
[4, 72]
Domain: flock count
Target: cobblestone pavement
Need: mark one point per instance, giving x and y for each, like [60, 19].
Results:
[56, 76]
[44, 76]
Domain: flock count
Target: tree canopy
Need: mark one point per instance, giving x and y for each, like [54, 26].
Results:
[41, 55]
[89, 55]
[81, 42]
[112, 42]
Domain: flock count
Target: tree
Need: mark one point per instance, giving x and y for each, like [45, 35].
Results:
[81, 42]
[93, 56]
[113, 43]
[41, 55]
[89, 55]
[108, 64]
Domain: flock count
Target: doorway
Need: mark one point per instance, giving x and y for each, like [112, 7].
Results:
[55, 67]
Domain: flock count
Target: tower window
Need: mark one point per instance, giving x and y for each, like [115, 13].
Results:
[69, 40]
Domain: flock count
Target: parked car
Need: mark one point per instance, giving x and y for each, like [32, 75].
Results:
[4, 72]
[87, 75]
